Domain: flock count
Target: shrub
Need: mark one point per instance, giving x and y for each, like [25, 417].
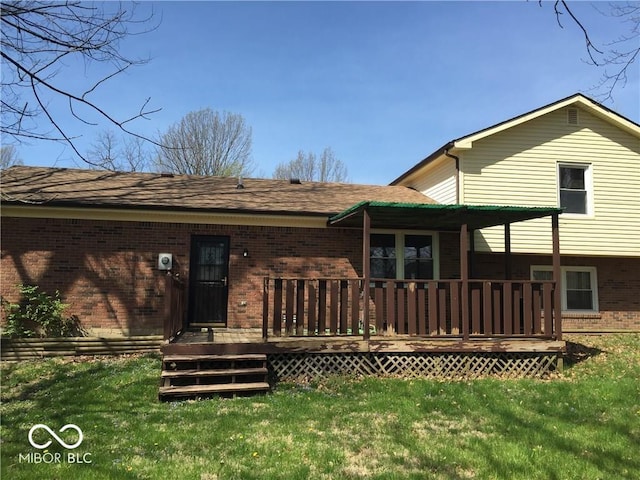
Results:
[38, 314]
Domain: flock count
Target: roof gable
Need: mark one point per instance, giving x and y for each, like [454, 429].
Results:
[578, 100]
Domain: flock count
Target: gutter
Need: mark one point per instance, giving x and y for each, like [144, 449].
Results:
[163, 208]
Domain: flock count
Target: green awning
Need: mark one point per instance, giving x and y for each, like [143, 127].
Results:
[425, 216]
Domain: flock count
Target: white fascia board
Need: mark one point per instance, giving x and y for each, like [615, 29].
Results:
[164, 216]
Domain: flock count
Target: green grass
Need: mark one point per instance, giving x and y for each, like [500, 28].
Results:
[584, 424]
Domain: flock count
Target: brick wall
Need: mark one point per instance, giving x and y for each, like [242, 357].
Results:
[449, 255]
[107, 272]
[618, 288]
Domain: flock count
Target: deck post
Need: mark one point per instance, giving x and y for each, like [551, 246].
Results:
[557, 276]
[366, 271]
[507, 251]
[472, 254]
[464, 277]
[168, 300]
[265, 308]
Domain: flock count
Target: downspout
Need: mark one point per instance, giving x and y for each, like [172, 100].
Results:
[471, 265]
[457, 159]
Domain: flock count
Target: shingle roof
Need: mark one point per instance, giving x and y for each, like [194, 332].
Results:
[92, 188]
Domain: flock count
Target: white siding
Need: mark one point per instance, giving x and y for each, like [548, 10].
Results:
[519, 167]
[438, 181]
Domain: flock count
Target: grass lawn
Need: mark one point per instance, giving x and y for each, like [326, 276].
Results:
[584, 424]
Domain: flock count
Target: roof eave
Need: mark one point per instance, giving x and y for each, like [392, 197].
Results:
[444, 217]
[434, 156]
[165, 208]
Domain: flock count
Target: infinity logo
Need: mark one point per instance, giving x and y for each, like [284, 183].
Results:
[53, 434]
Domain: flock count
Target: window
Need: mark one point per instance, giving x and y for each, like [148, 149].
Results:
[574, 183]
[579, 290]
[383, 255]
[403, 256]
[579, 286]
[541, 275]
[418, 259]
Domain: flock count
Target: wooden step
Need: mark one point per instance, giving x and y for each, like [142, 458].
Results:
[213, 373]
[192, 390]
[213, 357]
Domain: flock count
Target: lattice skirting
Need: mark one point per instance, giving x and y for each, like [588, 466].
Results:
[305, 366]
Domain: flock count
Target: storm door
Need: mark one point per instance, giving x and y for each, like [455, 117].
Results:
[208, 281]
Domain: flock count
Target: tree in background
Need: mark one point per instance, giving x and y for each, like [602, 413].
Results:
[9, 156]
[310, 168]
[206, 143]
[39, 38]
[125, 154]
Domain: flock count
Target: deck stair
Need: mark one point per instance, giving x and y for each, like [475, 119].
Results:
[208, 374]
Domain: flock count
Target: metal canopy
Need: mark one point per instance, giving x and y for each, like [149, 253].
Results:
[419, 216]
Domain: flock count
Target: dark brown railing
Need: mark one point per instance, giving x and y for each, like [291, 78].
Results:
[309, 307]
[174, 311]
[433, 308]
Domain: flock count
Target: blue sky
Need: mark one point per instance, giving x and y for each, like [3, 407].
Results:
[381, 83]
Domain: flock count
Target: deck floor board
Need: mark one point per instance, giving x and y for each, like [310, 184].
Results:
[237, 342]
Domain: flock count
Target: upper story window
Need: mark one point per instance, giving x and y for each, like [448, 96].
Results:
[403, 256]
[574, 182]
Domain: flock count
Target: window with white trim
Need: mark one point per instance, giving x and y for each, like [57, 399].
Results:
[579, 286]
[403, 256]
[575, 188]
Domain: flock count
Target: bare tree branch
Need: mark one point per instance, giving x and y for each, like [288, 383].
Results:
[128, 154]
[310, 168]
[591, 49]
[615, 57]
[9, 156]
[206, 143]
[36, 37]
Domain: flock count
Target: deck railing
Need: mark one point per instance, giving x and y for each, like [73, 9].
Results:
[433, 308]
[174, 307]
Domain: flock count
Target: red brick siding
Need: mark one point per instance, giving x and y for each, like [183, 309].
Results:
[618, 287]
[106, 270]
[449, 255]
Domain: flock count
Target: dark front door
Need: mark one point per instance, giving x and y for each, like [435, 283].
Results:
[208, 281]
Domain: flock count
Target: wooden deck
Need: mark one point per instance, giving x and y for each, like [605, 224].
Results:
[445, 328]
[229, 341]
[190, 362]
[292, 358]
